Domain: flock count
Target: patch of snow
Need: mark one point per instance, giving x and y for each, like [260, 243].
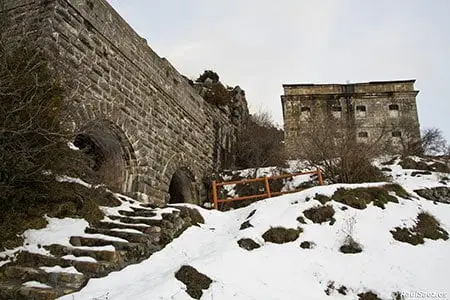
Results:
[79, 258]
[96, 248]
[129, 230]
[287, 271]
[57, 231]
[72, 146]
[36, 284]
[65, 178]
[103, 237]
[59, 269]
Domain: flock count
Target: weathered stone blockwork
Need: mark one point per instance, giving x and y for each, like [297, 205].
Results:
[125, 93]
[374, 108]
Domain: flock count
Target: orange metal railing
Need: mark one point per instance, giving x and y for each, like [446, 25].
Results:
[264, 179]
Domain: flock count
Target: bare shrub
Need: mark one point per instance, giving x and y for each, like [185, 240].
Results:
[260, 143]
[350, 246]
[333, 144]
[433, 142]
[33, 140]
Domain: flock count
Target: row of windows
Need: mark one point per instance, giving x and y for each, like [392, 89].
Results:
[365, 134]
[360, 110]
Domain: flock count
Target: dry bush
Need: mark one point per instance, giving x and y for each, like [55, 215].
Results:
[33, 141]
[281, 235]
[433, 142]
[332, 143]
[427, 227]
[260, 143]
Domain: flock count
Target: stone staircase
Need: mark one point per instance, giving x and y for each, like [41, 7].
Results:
[126, 236]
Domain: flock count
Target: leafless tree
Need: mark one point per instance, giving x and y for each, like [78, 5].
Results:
[332, 143]
[33, 141]
[260, 143]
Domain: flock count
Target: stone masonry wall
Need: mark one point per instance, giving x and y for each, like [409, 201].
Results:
[139, 98]
[377, 98]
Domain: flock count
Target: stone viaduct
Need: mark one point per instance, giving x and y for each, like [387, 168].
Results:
[149, 130]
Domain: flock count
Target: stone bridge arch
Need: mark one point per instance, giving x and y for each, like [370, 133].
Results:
[181, 180]
[112, 154]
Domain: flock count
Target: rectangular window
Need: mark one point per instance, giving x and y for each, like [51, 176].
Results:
[393, 110]
[305, 113]
[363, 134]
[336, 111]
[396, 134]
[360, 111]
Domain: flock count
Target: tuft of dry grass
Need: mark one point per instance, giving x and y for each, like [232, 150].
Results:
[281, 235]
[320, 214]
[359, 198]
[427, 227]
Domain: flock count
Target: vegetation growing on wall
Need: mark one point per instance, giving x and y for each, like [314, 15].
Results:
[34, 143]
[260, 143]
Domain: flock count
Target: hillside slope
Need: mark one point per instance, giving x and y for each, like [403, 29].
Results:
[289, 271]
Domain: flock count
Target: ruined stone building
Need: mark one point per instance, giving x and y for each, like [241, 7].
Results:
[373, 109]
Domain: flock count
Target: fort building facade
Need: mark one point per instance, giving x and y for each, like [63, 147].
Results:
[374, 109]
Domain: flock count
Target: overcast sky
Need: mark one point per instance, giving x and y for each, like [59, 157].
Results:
[261, 44]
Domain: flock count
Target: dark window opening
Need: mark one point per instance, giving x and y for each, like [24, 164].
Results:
[363, 134]
[305, 109]
[396, 134]
[393, 107]
[88, 146]
[360, 108]
[181, 187]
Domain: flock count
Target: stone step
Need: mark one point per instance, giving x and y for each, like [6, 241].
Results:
[138, 213]
[13, 290]
[111, 225]
[147, 205]
[130, 220]
[131, 252]
[90, 269]
[63, 282]
[112, 256]
[132, 237]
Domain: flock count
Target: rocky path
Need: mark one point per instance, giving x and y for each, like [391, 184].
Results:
[127, 235]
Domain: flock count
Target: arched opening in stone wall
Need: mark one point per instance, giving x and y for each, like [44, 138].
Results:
[111, 153]
[181, 188]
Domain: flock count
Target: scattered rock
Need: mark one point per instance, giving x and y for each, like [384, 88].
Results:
[245, 225]
[251, 214]
[438, 194]
[301, 219]
[368, 296]
[248, 244]
[419, 173]
[195, 281]
[307, 245]
[281, 235]
[342, 290]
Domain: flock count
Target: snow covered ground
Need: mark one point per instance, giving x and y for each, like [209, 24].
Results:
[287, 271]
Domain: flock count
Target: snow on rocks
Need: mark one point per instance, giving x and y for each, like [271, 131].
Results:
[288, 271]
